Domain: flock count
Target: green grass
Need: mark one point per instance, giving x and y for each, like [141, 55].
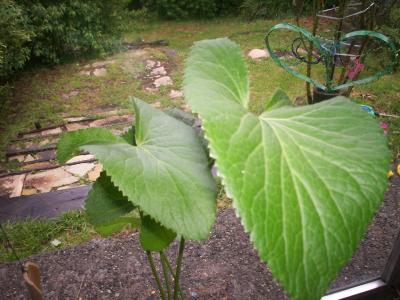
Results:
[34, 236]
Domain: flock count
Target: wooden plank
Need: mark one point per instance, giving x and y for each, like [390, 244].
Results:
[14, 152]
[46, 205]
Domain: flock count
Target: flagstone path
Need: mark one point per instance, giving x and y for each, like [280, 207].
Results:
[31, 158]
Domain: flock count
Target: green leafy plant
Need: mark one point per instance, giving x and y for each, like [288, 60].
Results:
[160, 170]
[305, 181]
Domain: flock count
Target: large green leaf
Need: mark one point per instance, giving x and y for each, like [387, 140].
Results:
[106, 206]
[305, 181]
[166, 174]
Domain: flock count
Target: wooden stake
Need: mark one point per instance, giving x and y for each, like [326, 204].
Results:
[32, 280]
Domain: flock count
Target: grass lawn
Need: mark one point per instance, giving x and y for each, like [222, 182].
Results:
[39, 96]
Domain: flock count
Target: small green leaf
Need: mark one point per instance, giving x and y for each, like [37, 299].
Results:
[69, 143]
[278, 100]
[105, 205]
[305, 181]
[154, 236]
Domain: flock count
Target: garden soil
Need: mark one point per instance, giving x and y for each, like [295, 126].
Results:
[223, 267]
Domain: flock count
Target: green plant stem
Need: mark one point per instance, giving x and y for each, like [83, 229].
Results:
[166, 275]
[155, 274]
[178, 267]
[173, 274]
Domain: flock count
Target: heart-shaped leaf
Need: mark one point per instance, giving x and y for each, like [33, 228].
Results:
[305, 181]
[165, 175]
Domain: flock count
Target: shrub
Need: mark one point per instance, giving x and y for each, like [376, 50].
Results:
[50, 30]
[392, 25]
[183, 9]
[70, 28]
[14, 36]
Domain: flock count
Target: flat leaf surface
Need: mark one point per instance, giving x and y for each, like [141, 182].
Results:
[305, 181]
[166, 174]
[106, 205]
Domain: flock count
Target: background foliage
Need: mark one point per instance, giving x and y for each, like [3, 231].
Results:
[48, 31]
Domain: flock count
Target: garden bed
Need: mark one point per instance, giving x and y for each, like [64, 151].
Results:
[223, 267]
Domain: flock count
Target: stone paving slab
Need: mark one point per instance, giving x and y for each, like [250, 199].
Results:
[46, 205]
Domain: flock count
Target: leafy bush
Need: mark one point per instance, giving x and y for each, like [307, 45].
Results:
[73, 27]
[252, 9]
[183, 9]
[392, 25]
[15, 34]
[50, 30]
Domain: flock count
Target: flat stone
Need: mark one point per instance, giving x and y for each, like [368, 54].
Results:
[29, 191]
[19, 158]
[47, 180]
[112, 120]
[85, 73]
[12, 186]
[156, 104]
[158, 71]
[53, 131]
[175, 94]
[163, 81]
[185, 108]
[75, 126]
[151, 90]
[103, 63]
[95, 173]
[47, 155]
[29, 158]
[80, 170]
[150, 64]
[258, 53]
[70, 94]
[38, 165]
[31, 135]
[74, 119]
[80, 158]
[44, 142]
[100, 72]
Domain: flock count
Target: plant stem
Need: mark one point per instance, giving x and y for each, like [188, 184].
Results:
[166, 275]
[173, 275]
[155, 274]
[178, 267]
